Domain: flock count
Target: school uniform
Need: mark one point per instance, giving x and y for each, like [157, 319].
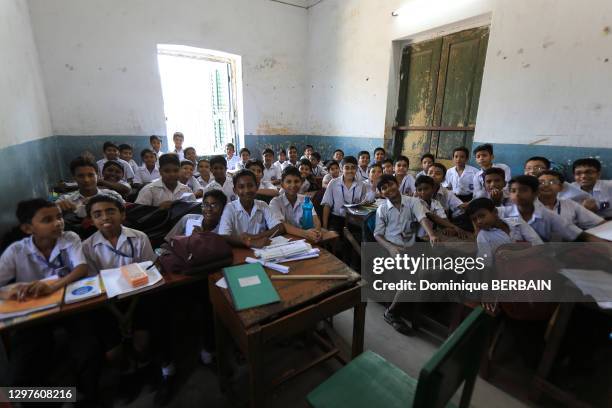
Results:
[132, 246]
[433, 207]
[337, 194]
[205, 183]
[240, 165]
[574, 213]
[319, 170]
[420, 173]
[231, 163]
[180, 153]
[361, 174]
[394, 224]
[449, 201]
[305, 187]
[548, 225]
[144, 176]
[80, 200]
[288, 163]
[370, 195]
[134, 166]
[156, 193]
[461, 184]
[236, 221]
[271, 173]
[227, 188]
[572, 192]
[479, 187]
[505, 201]
[128, 173]
[194, 184]
[279, 164]
[602, 193]
[488, 240]
[326, 179]
[180, 227]
[407, 187]
[284, 211]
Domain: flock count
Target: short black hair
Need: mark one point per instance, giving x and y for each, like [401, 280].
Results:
[125, 146]
[315, 155]
[244, 173]
[179, 134]
[494, 170]
[529, 181]
[385, 179]
[115, 163]
[103, 198]
[487, 147]
[106, 145]
[480, 204]
[553, 173]
[424, 180]
[255, 162]
[291, 148]
[290, 171]
[146, 151]
[428, 155]
[282, 151]
[349, 160]
[379, 165]
[462, 149]
[27, 209]
[361, 153]
[169, 159]
[219, 195]
[587, 162]
[218, 160]
[82, 162]
[539, 158]
[189, 148]
[187, 163]
[154, 137]
[243, 150]
[203, 160]
[308, 147]
[331, 163]
[268, 150]
[390, 161]
[230, 145]
[305, 162]
[339, 150]
[440, 166]
[401, 158]
[379, 149]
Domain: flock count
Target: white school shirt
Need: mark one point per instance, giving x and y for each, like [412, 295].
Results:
[231, 163]
[460, 184]
[548, 225]
[395, 225]
[279, 164]
[180, 153]
[128, 173]
[574, 213]
[319, 170]
[205, 183]
[572, 192]
[490, 239]
[283, 211]
[22, 261]
[406, 187]
[435, 208]
[479, 188]
[132, 246]
[271, 173]
[144, 176]
[602, 193]
[80, 200]
[361, 174]
[156, 193]
[420, 173]
[179, 227]
[505, 201]
[304, 187]
[134, 166]
[337, 194]
[326, 179]
[449, 201]
[194, 184]
[370, 195]
[288, 163]
[236, 221]
[240, 165]
[227, 188]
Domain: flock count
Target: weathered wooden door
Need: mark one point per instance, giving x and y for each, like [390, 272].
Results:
[439, 92]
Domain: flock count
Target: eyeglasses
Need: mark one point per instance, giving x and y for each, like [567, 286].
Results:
[211, 206]
[549, 182]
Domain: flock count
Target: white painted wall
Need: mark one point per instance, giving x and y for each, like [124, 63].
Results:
[548, 74]
[99, 60]
[23, 106]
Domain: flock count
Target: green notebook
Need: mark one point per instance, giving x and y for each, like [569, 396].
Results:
[250, 286]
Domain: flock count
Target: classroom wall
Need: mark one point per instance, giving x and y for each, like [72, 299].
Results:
[26, 148]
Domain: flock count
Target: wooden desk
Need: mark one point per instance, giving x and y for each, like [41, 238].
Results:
[303, 304]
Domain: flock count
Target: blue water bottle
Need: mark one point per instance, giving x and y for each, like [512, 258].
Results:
[306, 220]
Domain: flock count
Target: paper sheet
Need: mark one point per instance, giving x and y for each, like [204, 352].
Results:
[222, 283]
[597, 284]
[603, 231]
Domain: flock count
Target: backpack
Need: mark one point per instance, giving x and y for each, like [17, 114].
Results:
[198, 253]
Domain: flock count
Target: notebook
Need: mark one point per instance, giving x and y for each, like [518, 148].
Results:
[83, 289]
[116, 285]
[14, 308]
[250, 286]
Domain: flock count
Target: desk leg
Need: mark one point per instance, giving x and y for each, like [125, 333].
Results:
[358, 329]
[223, 366]
[4, 365]
[254, 355]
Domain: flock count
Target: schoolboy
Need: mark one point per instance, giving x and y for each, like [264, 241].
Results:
[178, 138]
[484, 157]
[112, 178]
[340, 191]
[85, 174]
[460, 177]
[271, 172]
[190, 154]
[167, 189]
[126, 153]
[363, 161]
[245, 155]
[534, 166]
[282, 158]
[292, 158]
[218, 167]
[425, 187]
[111, 152]
[451, 204]
[379, 155]
[213, 203]
[246, 221]
[230, 157]
[495, 186]
[404, 180]
[287, 207]
[186, 177]
[333, 169]
[318, 170]
[308, 149]
[587, 176]
[264, 188]
[548, 225]
[156, 145]
[374, 175]
[149, 171]
[308, 181]
[551, 183]
[205, 177]
[338, 155]
[426, 161]
[387, 166]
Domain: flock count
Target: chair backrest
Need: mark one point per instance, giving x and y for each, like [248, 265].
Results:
[456, 362]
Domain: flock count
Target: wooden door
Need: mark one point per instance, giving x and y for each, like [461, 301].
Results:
[439, 93]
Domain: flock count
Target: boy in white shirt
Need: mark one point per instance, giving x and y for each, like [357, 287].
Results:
[363, 160]
[156, 144]
[379, 155]
[338, 155]
[213, 203]
[178, 138]
[271, 172]
[245, 155]
[484, 157]
[317, 168]
[426, 161]
[126, 153]
[112, 178]
[186, 177]
[205, 177]
[460, 177]
[333, 168]
[405, 180]
[282, 158]
[230, 157]
[221, 182]
[111, 152]
[292, 158]
[149, 171]
[190, 154]
[308, 150]
[166, 190]
[587, 173]
[374, 175]
[451, 204]
[534, 166]
[495, 187]
[264, 188]
[387, 166]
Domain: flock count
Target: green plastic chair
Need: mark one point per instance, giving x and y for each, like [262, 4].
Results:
[371, 381]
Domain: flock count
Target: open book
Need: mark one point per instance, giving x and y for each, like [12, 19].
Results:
[15, 308]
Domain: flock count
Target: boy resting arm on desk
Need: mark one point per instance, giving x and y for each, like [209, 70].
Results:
[163, 192]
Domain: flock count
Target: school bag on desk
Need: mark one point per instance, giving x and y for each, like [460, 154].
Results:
[198, 253]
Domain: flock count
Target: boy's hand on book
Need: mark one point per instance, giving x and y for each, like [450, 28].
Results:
[66, 205]
[39, 289]
[313, 235]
